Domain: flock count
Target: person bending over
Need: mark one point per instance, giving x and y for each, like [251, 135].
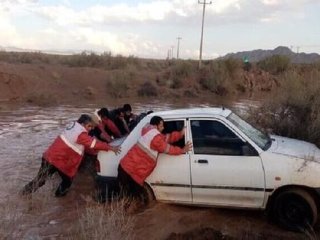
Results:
[65, 154]
[141, 159]
[107, 125]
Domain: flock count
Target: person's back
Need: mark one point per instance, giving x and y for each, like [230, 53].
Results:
[65, 154]
[117, 116]
[107, 126]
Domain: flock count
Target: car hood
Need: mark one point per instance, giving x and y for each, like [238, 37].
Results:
[294, 148]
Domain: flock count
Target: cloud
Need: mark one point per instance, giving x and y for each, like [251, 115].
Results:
[175, 12]
[10, 33]
[60, 15]
[80, 39]
[12, 38]
[12, 4]
[254, 11]
[61, 26]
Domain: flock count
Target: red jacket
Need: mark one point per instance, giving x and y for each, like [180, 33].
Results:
[141, 159]
[111, 126]
[104, 134]
[66, 152]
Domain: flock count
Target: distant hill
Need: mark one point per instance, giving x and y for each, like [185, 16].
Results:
[258, 55]
[57, 52]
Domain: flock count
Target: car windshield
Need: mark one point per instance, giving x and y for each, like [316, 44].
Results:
[259, 138]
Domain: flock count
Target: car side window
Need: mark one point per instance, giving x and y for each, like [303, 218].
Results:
[214, 138]
[170, 126]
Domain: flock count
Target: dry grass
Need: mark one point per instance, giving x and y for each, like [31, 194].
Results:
[147, 89]
[9, 217]
[105, 222]
[39, 201]
[215, 78]
[275, 64]
[15, 208]
[125, 76]
[118, 86]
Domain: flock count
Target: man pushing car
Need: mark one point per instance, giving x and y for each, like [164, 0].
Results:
[141, 159]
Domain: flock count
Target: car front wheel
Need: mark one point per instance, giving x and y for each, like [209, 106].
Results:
[295, 210]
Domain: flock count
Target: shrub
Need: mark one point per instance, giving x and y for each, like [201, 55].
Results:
[176, 82]
[118, 86]
[182, 69]
[231, 65]
[275, 64]
[117, 62]
[26, 57]
[179, 71]
[147, 89]
[85, 60]
[294, 110]
[316, 65]
[215, 78]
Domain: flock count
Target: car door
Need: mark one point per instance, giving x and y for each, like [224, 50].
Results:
[225, 169]
[170, 180]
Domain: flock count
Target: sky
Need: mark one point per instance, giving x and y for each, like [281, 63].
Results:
[150, 28]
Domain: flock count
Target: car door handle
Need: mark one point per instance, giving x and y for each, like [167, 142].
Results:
[202, 161]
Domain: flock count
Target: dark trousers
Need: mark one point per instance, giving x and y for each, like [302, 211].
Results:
[129, 187]
[47, 170]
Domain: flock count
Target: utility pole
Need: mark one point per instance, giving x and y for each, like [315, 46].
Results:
[204, 3]
[172, 47]
[297, 48]
[178, 47]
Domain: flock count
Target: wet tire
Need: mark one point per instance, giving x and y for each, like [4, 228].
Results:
[295, 210]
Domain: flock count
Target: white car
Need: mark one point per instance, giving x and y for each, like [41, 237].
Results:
[231, 165]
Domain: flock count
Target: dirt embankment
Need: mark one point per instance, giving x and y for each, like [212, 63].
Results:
[49, 84]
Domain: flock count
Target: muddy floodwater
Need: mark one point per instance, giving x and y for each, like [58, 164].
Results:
[26, 132]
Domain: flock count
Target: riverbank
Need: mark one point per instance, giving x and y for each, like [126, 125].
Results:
[46, 80]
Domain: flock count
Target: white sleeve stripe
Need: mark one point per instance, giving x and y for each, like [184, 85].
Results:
[93, 144]
[69, 144]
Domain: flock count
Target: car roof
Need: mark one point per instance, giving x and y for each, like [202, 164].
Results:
[195, 112]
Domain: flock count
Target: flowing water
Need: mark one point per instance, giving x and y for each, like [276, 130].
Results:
[24, 134]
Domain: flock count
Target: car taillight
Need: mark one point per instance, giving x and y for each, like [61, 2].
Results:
[97, 166]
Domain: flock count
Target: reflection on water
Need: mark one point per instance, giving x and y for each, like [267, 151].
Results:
[26, 132]
[43, 120]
